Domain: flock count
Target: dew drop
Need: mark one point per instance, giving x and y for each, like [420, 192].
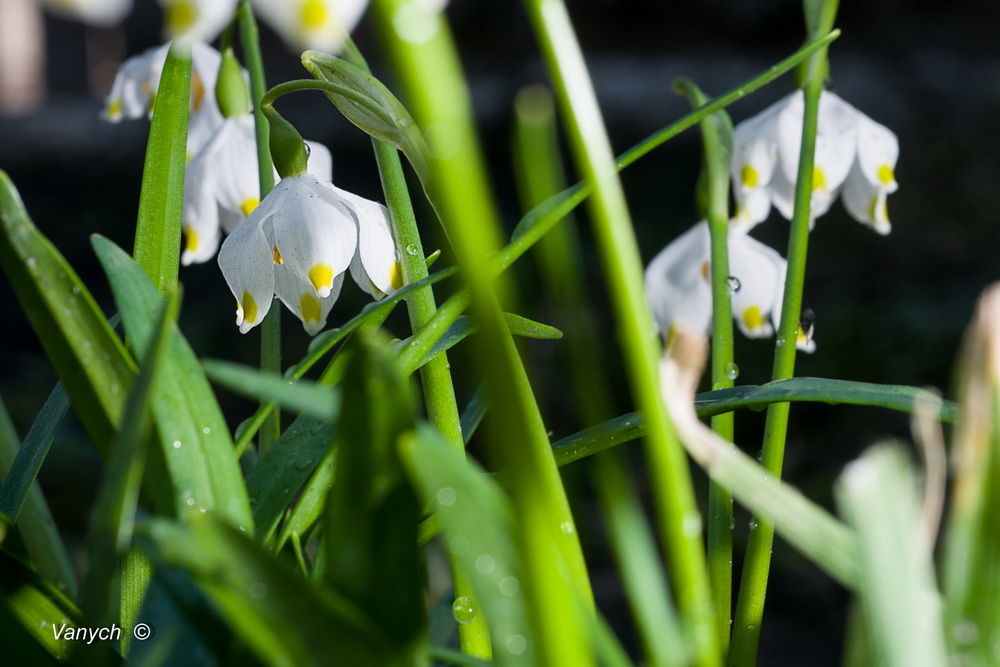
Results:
[567, 527]
[780, 342]
[732, 371]
[412, 249]
[206, 430]
[189, 501]
[446, 496]
[464, 610]
[76, 289]
[733, 285]
[177, 444]
[31, 262]
[732, 523]
[753, 526]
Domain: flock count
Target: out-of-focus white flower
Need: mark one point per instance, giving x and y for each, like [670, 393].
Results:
[854, 155]
[196, 20]
[679, 284]
[102, 13]
[298, 243]
[133, 94]
[311, 24]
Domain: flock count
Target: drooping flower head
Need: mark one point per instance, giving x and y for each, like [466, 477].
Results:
[101, 13]
[302, 238]
[854, 155]
[679, 285]
[195, 20]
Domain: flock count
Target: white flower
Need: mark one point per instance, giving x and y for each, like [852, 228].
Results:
[854, 155]
[679, 283]
[196, 20]
[311, 24]
[102, 13]
[133, 94]
[222, 185]
[298, 243]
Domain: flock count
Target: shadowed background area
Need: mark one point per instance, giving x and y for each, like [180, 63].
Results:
[888, 309]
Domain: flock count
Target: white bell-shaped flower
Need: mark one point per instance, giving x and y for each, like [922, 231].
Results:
[854, 154]
[678, 283]
[298, 243]
[311, 24]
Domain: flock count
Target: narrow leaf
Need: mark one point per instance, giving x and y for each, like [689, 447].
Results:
[86, 354]
[303, 396]
[194, 436]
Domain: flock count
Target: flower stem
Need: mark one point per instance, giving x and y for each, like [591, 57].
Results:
[270, 328]
[671, 480]
[435, 375]
[557, 588]
[716, 136]
[753, 584]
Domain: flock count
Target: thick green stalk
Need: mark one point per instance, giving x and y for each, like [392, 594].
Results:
[680, 522]
[720, 500]
[270, 328]
[753, 584]
[560, 262]
[435, 375]
[556, 581]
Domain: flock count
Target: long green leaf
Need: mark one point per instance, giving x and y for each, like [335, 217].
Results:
[158, 229]
[33, 607]
[877, 495]
[114, 511]
[282, 617]
[817, 390]
[89, 359]
[479, 531]
[300, 396]
[370, 524]
[194, 436]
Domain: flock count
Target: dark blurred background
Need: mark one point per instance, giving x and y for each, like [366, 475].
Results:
[888, 309]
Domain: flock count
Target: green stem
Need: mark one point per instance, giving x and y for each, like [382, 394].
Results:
[720, 501]
[435, 375]
[673, 493]
[270, 328]
[556, 580]
[753, 584]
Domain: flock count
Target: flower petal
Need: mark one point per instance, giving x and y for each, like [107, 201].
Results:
[247, 263]
[196, 20]
[300, 298]
[761, 273]
[375, 266]
[755, 154]
[101, 13]
[678, 286]
[201, 223]
[314, 232]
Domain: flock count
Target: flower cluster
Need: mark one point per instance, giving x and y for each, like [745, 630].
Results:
[855, 158]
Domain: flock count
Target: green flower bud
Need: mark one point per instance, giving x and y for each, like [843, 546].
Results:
[288, 150]
[231, 88]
